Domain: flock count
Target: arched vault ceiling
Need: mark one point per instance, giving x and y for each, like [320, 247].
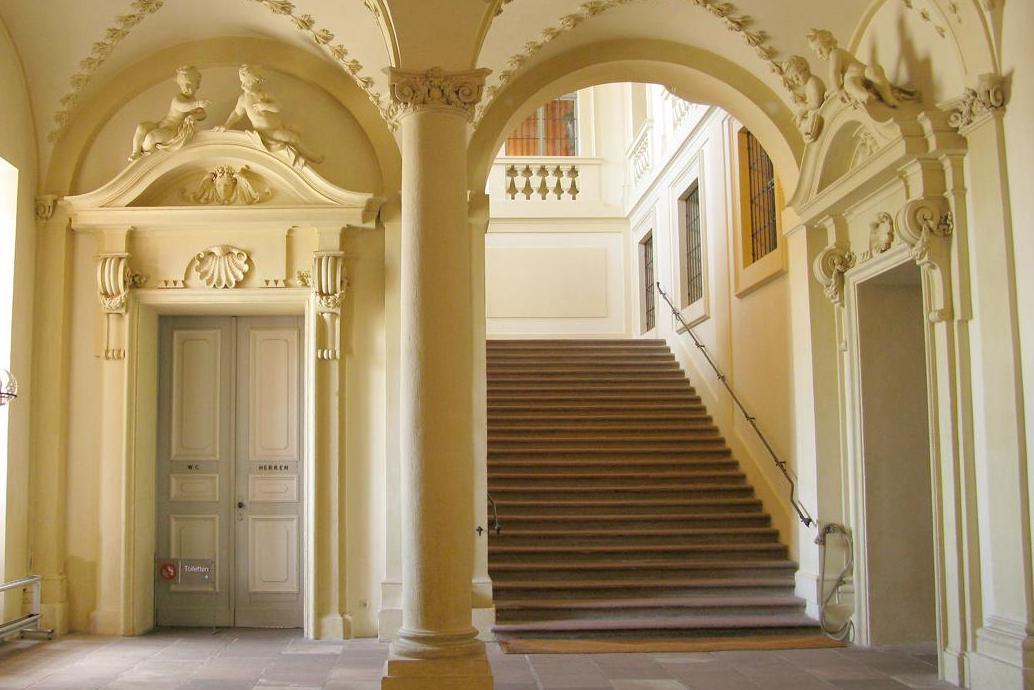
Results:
[56, 38]
[782, 26]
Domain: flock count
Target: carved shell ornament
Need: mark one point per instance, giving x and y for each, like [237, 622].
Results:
[221, 266]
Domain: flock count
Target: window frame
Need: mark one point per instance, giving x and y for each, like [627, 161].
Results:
[692, 175]
[540, 117]
[750, 275]
[647, 274]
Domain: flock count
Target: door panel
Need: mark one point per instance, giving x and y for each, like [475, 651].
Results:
[195, 464]
[229, 471]
[269, 540]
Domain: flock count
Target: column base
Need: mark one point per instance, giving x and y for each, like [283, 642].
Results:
[333, 626]
[437, 674]
[1004, 659]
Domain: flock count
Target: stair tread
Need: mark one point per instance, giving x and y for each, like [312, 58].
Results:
[631, 548]
[666, 623]
[716, 600]
[584, 584]
[644, 563]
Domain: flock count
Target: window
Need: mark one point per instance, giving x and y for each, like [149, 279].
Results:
[758, 187]
[552, 130]
[649, 298]
[694, 254]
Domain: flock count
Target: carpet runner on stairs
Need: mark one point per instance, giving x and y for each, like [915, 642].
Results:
[625, 516]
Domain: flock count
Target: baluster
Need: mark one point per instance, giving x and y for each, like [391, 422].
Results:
[511, 184]
[557, 187]
[527, 189]
[572, 188]
[543, 189]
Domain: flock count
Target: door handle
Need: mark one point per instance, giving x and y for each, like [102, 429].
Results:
[240, 505]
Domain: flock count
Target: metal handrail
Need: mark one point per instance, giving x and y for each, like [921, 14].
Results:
[496, 524]
[30, 621]
[802, 512]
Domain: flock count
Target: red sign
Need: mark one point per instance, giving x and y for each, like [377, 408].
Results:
[167, 571]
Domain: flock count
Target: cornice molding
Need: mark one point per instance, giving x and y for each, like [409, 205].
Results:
[435, 88]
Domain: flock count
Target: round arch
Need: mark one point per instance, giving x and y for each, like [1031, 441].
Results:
[694, 74]
[92, 114]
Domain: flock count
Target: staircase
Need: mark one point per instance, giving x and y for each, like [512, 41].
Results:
[624, 514]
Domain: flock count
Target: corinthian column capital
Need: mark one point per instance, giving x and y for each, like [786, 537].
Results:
[436, 89]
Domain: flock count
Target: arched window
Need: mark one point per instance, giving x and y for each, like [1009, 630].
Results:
[552, 130]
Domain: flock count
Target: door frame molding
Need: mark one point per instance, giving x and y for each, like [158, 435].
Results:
[139, 414]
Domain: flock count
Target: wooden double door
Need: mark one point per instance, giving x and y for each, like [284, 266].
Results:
[229, 469]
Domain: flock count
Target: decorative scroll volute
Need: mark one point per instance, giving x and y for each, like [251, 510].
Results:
[436, 88]
[829, 268]
[328, 283]
[926, 226]
[114, 280]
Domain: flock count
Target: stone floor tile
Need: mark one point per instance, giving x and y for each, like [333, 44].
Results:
[653, 684]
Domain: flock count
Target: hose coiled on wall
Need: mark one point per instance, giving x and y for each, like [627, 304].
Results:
[845, 630]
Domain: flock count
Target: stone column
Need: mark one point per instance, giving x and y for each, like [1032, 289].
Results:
[437, 647]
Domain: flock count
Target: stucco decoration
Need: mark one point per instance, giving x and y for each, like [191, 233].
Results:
[328, 288]
[855, 82]
[114, 281]
[436, 88]
[221, 266]
[881, 236]
[727, 12]
[829, 268]
[264, 114]
[228, 186]
[809, 93]
[926, 226]
[179, 124]
[46, 204]
[99, 53]
[986, 98]
[927, 15]
[866, 147]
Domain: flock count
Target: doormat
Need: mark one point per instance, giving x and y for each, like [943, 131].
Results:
[661, 646]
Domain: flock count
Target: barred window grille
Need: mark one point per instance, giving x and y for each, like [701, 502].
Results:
[761, 188]
[649, 306]
[694, 250]
[552, 130]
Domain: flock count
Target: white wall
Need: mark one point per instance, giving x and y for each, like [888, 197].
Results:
[17, 147]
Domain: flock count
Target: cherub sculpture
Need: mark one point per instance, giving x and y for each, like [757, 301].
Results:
[855, 82]
[263, 112]
[809, 93]
[179, 124]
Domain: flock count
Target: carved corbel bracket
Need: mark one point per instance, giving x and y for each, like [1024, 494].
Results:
[114, 281]
[926, 226]
[976, 104]
[830, 266]
[328, 283]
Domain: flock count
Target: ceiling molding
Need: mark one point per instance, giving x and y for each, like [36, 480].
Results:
[726, 12]
[141, 9]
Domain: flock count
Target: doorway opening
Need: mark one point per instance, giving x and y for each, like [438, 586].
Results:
[896, 467]
[229, 471]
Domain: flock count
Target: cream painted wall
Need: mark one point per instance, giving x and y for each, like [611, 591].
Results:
[748, 335]
[17, 147]
[324, 124]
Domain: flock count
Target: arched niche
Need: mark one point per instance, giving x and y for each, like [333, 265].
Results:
[693, 74]
[317, 95]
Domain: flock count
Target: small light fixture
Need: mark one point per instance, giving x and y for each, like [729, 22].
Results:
[8, 387]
